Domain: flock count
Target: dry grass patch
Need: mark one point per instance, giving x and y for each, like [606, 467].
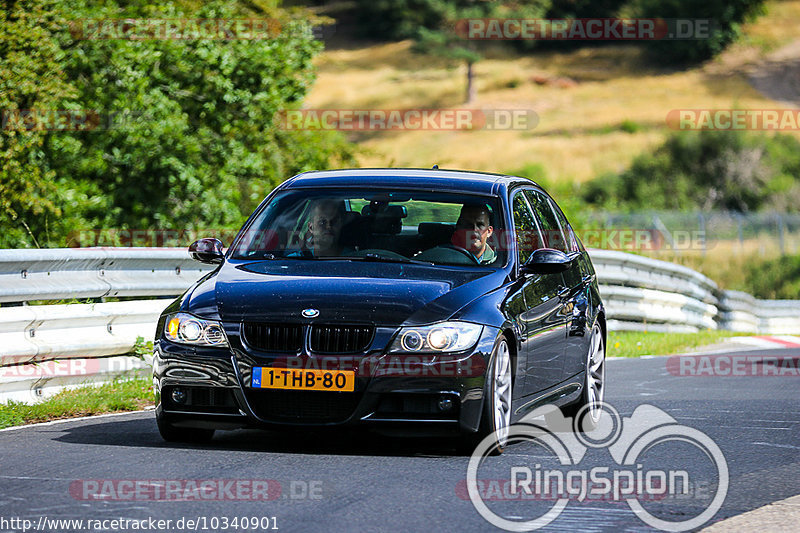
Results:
[617, 110]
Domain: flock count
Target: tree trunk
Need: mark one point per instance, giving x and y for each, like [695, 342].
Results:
[472, 90]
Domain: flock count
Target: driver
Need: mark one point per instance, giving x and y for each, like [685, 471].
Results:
[473, 230]
[325, 227]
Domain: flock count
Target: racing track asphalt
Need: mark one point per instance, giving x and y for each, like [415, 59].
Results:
[364, 482]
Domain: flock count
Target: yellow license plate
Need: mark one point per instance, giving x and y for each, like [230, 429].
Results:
[303, 379]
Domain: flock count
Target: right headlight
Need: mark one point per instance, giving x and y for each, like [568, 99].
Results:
[437, 338]
[188, 329]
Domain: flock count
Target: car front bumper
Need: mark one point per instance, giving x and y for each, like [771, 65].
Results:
[415, 394]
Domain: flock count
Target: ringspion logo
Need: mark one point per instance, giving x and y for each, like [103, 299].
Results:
[557, 471]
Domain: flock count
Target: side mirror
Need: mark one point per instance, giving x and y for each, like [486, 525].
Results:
[207, 251]
[547, 261]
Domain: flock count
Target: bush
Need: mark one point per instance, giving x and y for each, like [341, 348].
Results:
[403, 19]
[776, 278]
[727, 170]
[30, 78]
[727, 16]
[398, 19]
[204, 149]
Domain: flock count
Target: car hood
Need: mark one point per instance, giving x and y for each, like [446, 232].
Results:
[342, 291]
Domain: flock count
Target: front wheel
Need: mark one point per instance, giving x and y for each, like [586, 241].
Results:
[496, 414]
[589, 407]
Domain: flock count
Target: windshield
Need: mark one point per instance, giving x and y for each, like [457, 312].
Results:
[374, 225]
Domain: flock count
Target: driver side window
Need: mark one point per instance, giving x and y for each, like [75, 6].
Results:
[525, 228]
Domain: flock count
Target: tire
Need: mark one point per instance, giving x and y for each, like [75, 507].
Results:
[496, 413]
[588, 407]
[171, 433]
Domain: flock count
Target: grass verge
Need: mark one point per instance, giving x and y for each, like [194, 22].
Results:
[116, 396]
[638, 343]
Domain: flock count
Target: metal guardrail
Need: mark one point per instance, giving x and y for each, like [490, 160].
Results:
[62, 273]
[81, 337]
[646, 294]
[639, 293]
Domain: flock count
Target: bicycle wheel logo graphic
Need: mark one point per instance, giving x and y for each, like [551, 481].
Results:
[627, 441]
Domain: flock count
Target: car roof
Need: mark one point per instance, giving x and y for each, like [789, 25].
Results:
[408, 178]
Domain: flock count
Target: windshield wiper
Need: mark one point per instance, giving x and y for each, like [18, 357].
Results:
[372, 257]
[387, 259]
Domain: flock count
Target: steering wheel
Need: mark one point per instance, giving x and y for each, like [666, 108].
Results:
[465, 252]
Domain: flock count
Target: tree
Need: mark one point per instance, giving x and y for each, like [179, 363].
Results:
[186, 137]
[448, 40]
[30, 78]
[398, 19]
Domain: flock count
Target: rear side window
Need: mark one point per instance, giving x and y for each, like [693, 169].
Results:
[551, 229]
[572, 240]
[527, 233]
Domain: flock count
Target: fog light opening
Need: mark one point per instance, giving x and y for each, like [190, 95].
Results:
[178, 395]
[445, 404]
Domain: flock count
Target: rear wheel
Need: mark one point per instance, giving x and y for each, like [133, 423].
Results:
[589, 406]
[171, 433]
[496, 415]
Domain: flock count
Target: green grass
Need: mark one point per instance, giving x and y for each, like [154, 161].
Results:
[636, 343]
[117, 396]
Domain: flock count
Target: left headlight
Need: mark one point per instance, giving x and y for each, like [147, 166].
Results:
[187, 329]
[437, 338]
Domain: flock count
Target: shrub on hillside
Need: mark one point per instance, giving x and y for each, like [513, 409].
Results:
[726, 17]
[776, 278]
[399, 19]
[728, 170]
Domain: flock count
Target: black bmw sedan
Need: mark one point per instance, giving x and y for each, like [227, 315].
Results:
[433, 301]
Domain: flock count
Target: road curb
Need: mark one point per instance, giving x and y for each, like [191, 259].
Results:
[780, 516]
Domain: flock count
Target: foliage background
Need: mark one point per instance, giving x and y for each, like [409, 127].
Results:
[192, 142]
[194, 145]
